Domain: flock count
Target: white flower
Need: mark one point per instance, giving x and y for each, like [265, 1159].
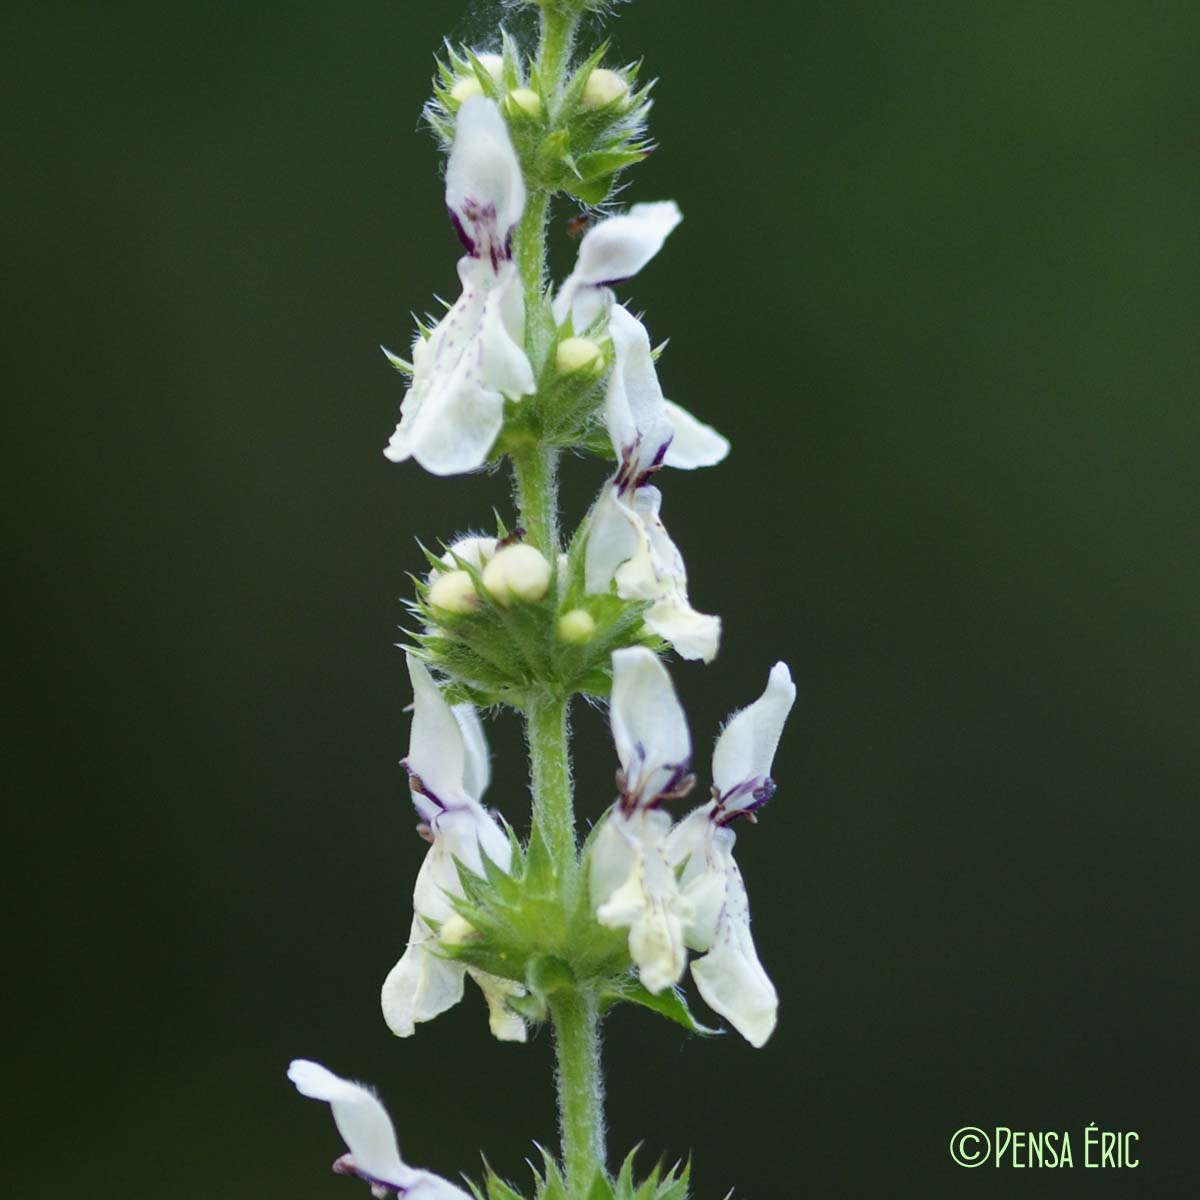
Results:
[613, 250]
[649, 729]
[448, 772]
[635, 409]
[367, 1131]
[633, 887]
[632, 884]
[475, 357]
[729, 975]
[628, 548]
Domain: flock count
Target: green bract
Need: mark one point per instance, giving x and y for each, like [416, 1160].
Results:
[511, 653]
[535, 926]
[670, 1183]
[567, 143]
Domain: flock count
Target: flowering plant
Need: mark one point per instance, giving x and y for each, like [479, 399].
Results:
[549, 929]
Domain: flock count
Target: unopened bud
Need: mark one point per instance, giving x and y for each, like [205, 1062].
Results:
[519, 571]
[575, 354]
[465, 88]
[456, 930]
[472, 549]
[603, 87]
[469, 85]
[576, 626]
[526, 100]
[493, 64]
[453, 592]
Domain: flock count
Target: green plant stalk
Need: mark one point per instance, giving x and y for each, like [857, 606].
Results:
[536, 470]
[554, 55]
[573, 1012]
[580, 1087]
[550, 767]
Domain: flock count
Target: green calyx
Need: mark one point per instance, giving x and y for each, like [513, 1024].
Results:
[569, 8]
[573, 137]
[507, 641]
[570, 373]
[663, 1183]
[534, 924]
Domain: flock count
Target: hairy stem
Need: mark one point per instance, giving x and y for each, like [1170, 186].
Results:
[573, 1012]
[536, 470]
[553, 59]
[580, 1088]
[529, 247]
[559, 23]
[550, 763]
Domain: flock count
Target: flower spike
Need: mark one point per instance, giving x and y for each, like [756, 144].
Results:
[530, 619]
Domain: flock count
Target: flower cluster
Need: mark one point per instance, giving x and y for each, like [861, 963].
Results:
[473, 361]
[674, 887]
[677, 887]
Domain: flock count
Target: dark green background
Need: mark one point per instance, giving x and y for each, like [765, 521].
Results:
[939, 280]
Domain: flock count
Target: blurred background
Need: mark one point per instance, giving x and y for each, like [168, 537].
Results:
[939, 281]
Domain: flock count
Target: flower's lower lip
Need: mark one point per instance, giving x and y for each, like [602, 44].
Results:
[345, 1166]
[760, 790]
[419, 788]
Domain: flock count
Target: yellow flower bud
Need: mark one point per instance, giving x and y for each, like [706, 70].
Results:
[468, 85]
[493, 64]
[453, 592]
[603, 87]
[465, 88]
[456, 930]
[526, 100]
[576, 626]
[519, 571]
[576, 353]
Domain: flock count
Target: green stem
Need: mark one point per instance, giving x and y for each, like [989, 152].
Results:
[529, 247]
[559, 23]
[554, 54]
[536, 471]
[550, 761]
[580, 1088]
[574, 1013]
